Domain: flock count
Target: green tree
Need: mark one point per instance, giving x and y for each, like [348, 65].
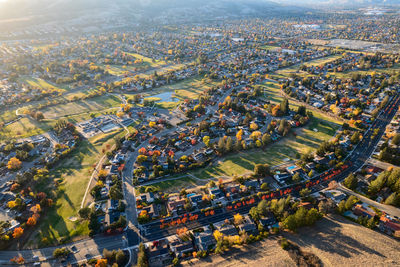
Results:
[393, 199]
[261, 170]
[396, 140]
[284, 106]
[296, 178]
[351, 182]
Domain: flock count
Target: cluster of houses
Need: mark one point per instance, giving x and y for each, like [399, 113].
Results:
[101, 124]
[34, 150]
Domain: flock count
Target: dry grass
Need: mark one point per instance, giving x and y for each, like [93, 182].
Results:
[264, 253]
[340, 242]
[335, 240]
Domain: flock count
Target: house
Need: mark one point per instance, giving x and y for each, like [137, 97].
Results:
[175, 204]
[146, 197]
[216, 192]
[195, 199]
[158, 253]
[248, 226]
[268, 221]
[389, 226]
[282, 177]
[335, 195]
[225, 229]
[363, 210]
[179, 247]
[205, 240]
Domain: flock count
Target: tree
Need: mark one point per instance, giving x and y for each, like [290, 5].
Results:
[302, 110]
[14, 164]
[18, 232]
[284, 106]
[393, 199]
[290, 223]
[101, 263]
[396, 139]
[351, 182]
[355, 138]
[121, 258]
[142, 257]
[141, 158]
[84, 213]
[31, 221]
[61, 253]
[266, 139]
[238, 219]
[296, 178]
[305, 192]
[175, 261]
[261, 170]
[206, 140]
[39, 116]
[264, 187]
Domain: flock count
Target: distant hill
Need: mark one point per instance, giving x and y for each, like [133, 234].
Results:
[343, 3]
[23, 8]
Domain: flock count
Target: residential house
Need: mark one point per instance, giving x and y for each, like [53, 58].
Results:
[179, 247]
[205, 240]
[248, 225]
[158, 253]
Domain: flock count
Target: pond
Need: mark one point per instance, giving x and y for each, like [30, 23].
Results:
[166, 97]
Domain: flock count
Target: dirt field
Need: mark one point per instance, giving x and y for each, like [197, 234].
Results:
[335, 240]
[340, 242]
[264, 253]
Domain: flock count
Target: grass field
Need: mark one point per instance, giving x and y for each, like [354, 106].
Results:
[74, 173]
[187, 89]
[290, 147]
[40, 83]
[322, 61]
[348, 74]
[150, 61]
[82, 106]
[269, 47]
[24, 127]
[8, 115]
[173, 186]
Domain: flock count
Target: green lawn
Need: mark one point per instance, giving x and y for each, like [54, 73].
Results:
[40, 83]
[290, 147]
[74, 173]
[174, 185]
[269, 47]
[24, 127]
[150, 61]
[8, 115]
[82, 106]
[322, 61]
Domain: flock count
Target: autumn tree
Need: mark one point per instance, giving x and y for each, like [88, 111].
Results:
[18, 232]
[14, 164]
[238, 218]
[31, 221]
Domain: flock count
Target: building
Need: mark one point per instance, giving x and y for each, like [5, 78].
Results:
[180, 247]
[248, 226]
[158, 253]
[205, 240]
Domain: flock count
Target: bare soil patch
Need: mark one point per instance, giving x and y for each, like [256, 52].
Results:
[340, 242]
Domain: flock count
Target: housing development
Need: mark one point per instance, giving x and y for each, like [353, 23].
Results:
[238, 136]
